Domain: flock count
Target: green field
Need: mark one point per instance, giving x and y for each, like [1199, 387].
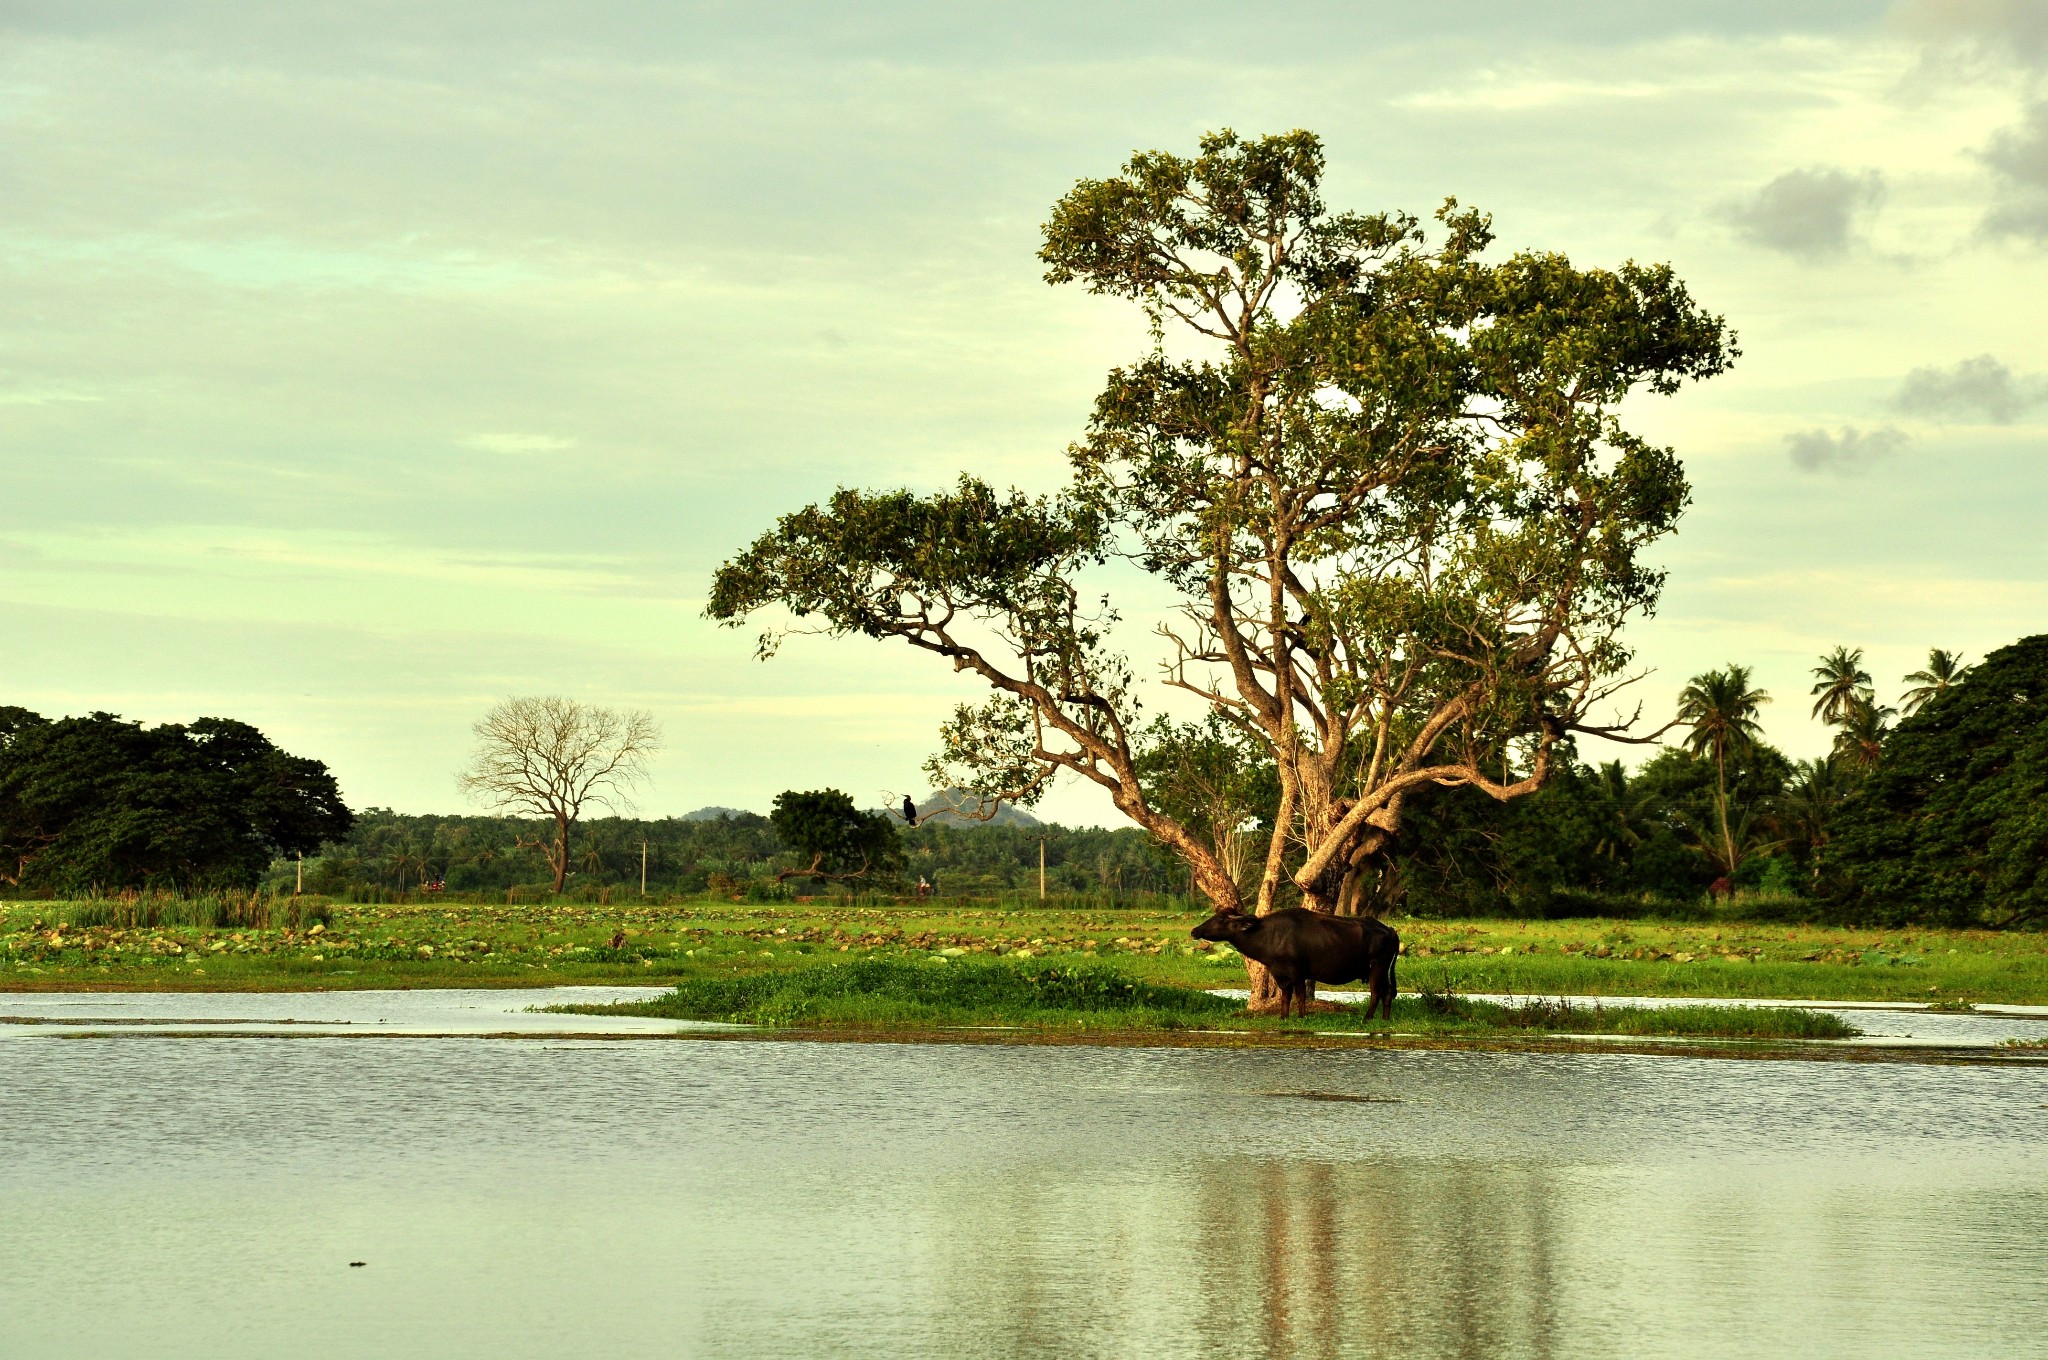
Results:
[439, 944]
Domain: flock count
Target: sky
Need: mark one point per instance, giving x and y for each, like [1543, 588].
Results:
[363, 363]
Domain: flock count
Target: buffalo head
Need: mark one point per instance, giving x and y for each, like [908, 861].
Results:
[1228, 926]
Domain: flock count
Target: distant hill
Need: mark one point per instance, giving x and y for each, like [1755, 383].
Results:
[944, 808]
[712, 814]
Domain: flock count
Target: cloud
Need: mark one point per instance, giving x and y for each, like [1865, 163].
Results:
[518, 443]
[1976, 391]
[2019, 157]
[1995, 35]
[1808, 214]
[2014, 31]
[1847, 454]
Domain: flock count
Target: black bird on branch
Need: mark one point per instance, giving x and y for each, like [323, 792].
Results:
[909, 811]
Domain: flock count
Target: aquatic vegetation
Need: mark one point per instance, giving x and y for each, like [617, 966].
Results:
[940, 992]
[876, 991]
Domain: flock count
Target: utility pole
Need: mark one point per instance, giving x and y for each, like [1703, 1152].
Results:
[643, 868]
[1041, 868]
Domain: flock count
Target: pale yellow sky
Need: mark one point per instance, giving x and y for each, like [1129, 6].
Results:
[360, 365]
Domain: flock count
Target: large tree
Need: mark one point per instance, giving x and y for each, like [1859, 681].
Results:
[1951, 826]
[551, 757]
[99, 802]
[1383, 475]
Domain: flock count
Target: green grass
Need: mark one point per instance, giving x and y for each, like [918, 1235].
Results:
[877, 993]
[898, 992]
[1722, 1022]
[435, 944]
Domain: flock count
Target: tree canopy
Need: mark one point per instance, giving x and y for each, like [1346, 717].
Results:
[838, 840]
[99, 802]
[1387, 483]
[1951, 825]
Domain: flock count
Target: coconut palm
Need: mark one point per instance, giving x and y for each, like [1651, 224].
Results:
[1837, 682]
[1944, 669]
[1865, 723]
[1721, 709]
[1623, 813]
[1726, 846]
[1806, 810]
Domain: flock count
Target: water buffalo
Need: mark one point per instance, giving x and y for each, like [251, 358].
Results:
[1299, 946]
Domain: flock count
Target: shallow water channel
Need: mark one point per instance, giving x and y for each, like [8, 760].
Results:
[203, 1195]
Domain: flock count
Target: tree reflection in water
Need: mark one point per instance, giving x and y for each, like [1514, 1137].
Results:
[1314, 1259]
[1246, 1255]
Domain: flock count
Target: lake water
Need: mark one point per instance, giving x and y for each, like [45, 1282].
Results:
[559, 1197]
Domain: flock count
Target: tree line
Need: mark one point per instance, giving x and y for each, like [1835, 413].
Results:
[96, 802]
[1935, 811]
[736, 854]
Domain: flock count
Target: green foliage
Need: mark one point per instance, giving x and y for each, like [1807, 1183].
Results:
[892, 992]
[880, 990]
[206, 911]
[1389, 485]
[1943, 670]
[96, 802]
[1952, 824]
[1214, 780]
[836, 838]
[1838, 682]
[1591, 842]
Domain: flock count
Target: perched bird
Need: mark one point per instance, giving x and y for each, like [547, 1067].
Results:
[909, 811]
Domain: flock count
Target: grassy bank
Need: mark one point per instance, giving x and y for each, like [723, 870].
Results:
[46, 945]
[876, 993]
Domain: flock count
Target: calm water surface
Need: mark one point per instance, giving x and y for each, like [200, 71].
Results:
[203, 1197]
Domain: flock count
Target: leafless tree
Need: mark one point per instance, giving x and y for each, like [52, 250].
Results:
[550, 757]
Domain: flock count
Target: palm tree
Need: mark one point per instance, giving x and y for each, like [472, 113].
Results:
[1944, 669]
[1624, 820]
[1837, 681]
[1721, 710]
[1742, 836]
[1864, 724]
[1807, 808]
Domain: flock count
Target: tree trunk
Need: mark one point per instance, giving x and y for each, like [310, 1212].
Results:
[561, 855]
[1265, 998]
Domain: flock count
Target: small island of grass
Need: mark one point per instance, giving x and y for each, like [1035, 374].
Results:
[903, 994]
